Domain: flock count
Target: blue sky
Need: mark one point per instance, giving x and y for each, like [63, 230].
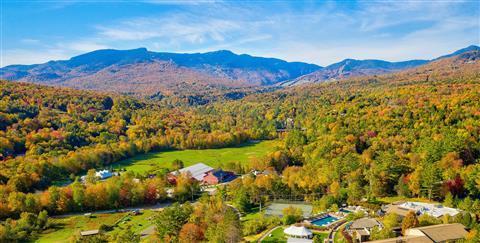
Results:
[317, 32]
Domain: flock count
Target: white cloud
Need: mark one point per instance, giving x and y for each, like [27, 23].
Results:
[21, 56]
[181, 28]
[48, 52]
[396, 30]
[29, 41]
[83, 46]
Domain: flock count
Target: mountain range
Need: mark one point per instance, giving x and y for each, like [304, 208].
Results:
[143, 72]
[352, 68]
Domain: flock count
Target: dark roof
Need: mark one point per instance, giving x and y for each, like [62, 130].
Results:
[444, 232]
[408, 239]
[365, 223]
[223, 175]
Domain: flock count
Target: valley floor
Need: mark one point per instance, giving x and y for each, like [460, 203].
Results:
[212, 157]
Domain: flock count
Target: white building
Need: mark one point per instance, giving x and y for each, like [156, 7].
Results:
[197, 171]
[103, 174]
[435, 210]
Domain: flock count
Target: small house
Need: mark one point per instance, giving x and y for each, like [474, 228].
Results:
[103, 174]
[362, 228]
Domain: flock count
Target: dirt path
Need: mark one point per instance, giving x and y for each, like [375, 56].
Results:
[147, 232]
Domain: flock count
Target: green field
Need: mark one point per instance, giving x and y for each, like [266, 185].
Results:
[64, 229]
[212, 157]
[277, 236]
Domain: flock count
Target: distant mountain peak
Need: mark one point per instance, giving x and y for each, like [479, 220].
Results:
[221, 52]
[352, 67]
[461, 51]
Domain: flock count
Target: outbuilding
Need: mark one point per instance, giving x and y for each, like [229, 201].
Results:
[89, 232]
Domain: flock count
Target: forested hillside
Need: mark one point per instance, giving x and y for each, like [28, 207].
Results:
[413, 133]
[49, 132]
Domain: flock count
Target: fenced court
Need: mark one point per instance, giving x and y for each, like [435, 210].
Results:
[276, 208]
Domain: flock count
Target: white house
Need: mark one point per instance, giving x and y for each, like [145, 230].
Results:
[103, 174]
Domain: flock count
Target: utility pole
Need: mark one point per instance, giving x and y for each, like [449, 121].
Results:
[191, 190]
[260, 204]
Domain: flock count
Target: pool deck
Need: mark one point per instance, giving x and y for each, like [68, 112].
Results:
[322, 216]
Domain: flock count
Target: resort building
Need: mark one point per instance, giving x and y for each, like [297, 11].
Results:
[435, 210]
[361, 228]
[203, 174]
[440, 233]
[197, 171]
[431, 234]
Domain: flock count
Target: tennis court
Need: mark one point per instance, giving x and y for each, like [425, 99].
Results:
[276, 209]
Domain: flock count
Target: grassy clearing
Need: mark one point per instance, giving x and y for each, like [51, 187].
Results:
[138, 222]
[277, 236]
[66, 228]
[212, 157]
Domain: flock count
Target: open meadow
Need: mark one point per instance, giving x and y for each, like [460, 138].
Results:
[212, 157]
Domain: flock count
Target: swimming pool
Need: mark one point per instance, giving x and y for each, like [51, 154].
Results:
[324, 221]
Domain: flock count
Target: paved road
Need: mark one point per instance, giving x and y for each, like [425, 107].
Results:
[146, 207]
[331, 235]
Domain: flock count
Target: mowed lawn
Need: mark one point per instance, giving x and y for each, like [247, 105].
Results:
[277, 236]
[65, 229]
[212, 157]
